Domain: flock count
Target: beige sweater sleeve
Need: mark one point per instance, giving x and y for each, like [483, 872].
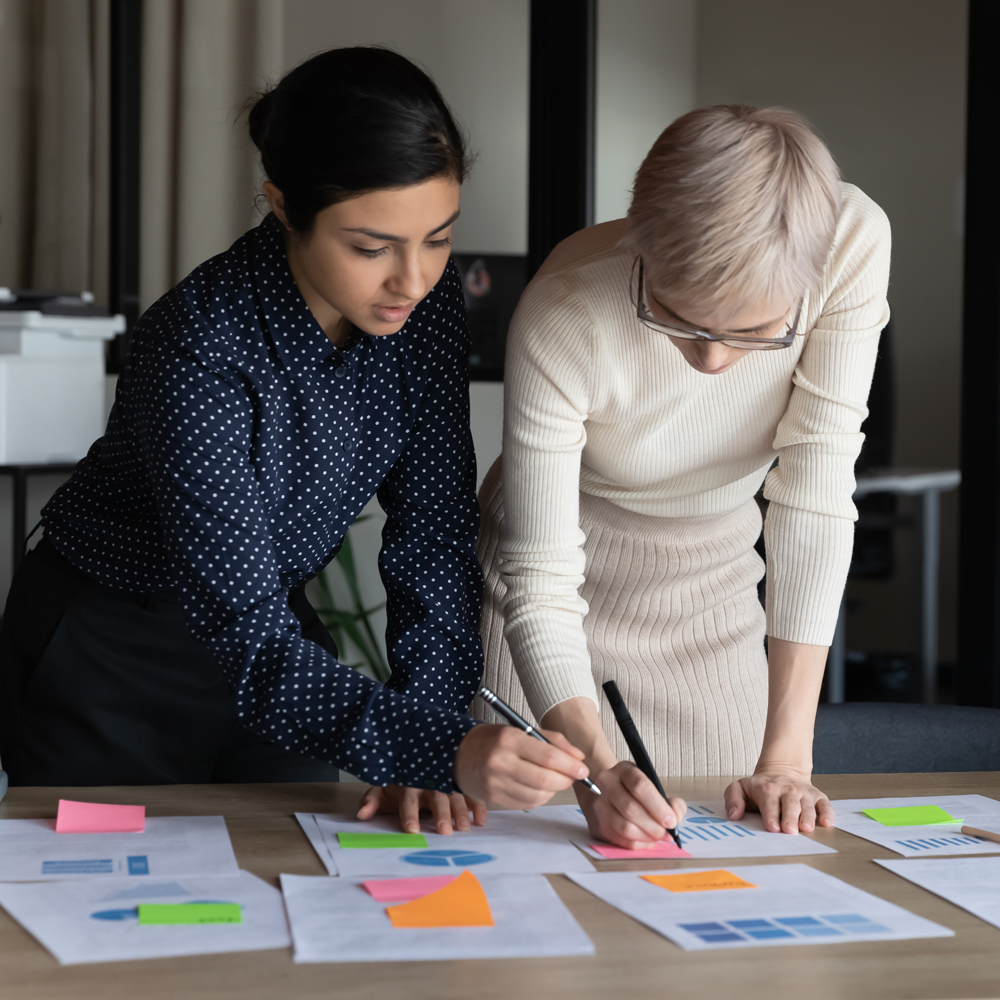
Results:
[809, 529]
[546, 401]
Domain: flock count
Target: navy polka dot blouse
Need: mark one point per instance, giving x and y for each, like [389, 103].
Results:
[241, 447]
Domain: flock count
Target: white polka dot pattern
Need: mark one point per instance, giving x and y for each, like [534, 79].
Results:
[241, 446]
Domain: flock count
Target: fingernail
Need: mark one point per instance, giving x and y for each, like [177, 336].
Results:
[732, 813]
[581, 772]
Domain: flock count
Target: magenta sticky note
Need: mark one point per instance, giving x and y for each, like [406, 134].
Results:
[664, 849]
[405, 890]
[98, 817]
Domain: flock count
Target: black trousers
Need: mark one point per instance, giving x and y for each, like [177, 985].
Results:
[103, 687]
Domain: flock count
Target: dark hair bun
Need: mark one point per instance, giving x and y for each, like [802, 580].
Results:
[353, 120]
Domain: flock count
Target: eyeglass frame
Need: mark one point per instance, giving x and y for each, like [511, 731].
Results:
[686, 333]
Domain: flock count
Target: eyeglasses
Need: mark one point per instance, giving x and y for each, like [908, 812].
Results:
[730, 340]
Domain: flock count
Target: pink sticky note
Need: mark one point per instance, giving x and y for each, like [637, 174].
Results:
[96, 817]
[405, 890]
[664, 849]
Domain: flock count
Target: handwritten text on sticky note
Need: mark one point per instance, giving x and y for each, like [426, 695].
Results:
[363, 840]
[98, 817]
[699, 881]
[190, 913]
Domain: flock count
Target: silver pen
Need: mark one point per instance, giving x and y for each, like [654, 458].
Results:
[503, 709]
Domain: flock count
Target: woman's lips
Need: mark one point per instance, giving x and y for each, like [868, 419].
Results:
[393, 314]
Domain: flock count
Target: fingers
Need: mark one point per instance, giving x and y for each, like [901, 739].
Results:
[825, 812]
[680, 808]
[643, 806]
[736, 800]
[409, 810]
[563, 759]
[478, 810]
[807, 816]
[501, 764]
[791, 808]
[370, 802]
[440, 806]
[560, 741]
[769, 803]
[460, 813]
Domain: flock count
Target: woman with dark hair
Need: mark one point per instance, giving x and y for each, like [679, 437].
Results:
[159, 632]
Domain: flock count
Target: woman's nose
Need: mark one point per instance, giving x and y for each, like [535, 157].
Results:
[407, 280]
[714, 354]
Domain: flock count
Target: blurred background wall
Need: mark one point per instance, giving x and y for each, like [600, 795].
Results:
[883, 83]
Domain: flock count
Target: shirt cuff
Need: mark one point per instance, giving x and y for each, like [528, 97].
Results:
[400, 741]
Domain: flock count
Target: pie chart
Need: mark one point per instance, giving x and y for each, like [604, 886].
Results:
[448, 859]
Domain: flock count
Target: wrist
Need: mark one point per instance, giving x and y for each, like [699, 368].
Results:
[578, 721]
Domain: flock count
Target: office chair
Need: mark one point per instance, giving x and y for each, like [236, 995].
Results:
[886, 737]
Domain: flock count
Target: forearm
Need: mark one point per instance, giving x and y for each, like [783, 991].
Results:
[795, 675]
[578, 721]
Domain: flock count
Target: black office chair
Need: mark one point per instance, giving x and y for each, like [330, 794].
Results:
[884, 738]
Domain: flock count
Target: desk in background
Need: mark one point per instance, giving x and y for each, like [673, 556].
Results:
[631, 960]
[928, 484]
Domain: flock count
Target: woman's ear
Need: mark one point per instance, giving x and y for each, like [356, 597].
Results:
[277, 202]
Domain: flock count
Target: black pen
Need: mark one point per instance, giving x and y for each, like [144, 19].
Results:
[635, 744]
[503, 709]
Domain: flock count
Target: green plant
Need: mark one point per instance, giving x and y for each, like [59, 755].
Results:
[353, 624]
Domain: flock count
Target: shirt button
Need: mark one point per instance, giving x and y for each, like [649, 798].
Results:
[349, 447]
[341, 372]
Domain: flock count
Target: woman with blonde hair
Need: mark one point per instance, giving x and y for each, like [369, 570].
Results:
[656, 368]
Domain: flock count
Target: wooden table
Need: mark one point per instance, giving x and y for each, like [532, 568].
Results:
[631, 961]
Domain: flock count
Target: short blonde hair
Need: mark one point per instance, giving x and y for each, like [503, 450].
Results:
[733, 204]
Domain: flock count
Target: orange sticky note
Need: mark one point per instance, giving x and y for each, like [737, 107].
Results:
[460, 904]
[699, 881]
[97, 817]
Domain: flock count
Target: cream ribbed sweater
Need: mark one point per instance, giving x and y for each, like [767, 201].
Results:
[595, 401]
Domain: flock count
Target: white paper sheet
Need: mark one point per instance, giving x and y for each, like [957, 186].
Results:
[971, 883]
[311, 829]
[511, 843]
[336, 920]
[705, 833]
[96, 921]
[792, 904]
[923, 841]
[171, 846]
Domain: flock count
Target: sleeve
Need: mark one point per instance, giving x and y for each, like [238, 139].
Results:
[433, 582]
[546, 402]
[809, 529]
[196, 436]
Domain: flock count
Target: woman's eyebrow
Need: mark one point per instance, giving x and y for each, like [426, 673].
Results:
[389, 238]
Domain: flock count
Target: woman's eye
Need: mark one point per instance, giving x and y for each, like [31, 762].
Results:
[439, 244]
[371, 253]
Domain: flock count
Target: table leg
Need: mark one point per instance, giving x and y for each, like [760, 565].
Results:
[930, 546]
[837, 658]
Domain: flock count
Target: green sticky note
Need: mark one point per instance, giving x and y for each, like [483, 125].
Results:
[190, 913]
[911, 816]
[382, 839]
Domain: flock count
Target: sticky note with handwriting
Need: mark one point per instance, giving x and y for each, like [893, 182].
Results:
[360, 840]
[699, 881]
[190, 913]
